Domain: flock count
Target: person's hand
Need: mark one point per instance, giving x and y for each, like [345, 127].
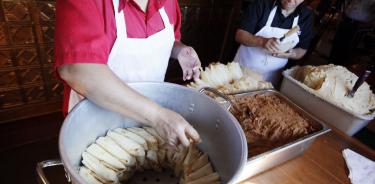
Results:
[175, 129]
[272, 45]
[189, 62]
[287, 54]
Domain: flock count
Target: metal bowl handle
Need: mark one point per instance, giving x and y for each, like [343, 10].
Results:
[218, 93]
[42, 179]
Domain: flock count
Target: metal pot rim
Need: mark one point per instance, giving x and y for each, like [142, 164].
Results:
[74, 175]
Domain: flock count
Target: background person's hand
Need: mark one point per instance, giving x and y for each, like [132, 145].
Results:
[189, 62]
[272, 45]
[175, 129]
[287, 54]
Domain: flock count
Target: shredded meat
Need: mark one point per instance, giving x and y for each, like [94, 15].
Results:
[269, 122]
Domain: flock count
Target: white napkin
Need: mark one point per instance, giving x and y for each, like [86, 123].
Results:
[361, 169]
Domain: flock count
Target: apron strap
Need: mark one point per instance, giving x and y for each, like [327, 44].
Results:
[295, 21]
[271, 16]
[164, 17]
[120, 20]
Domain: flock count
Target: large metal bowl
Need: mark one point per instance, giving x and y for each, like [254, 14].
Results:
[222, 137]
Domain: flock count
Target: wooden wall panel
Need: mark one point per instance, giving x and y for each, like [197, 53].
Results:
[26, 42]
[206, 26]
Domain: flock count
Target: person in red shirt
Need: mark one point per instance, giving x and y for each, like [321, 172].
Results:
[100, 45]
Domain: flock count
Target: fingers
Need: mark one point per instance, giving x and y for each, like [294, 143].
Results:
[196, 72]
[172, 141]
[275, 45]
[183, 139]
[176, 130]
[272, 45]
[188, 132]
[270, 48]
[283, 55]
[171, 147]
[278, 55]
[193, 134]
[184, 73]
[189, 74]
[190, 63]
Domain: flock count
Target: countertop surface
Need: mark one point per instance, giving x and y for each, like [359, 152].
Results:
[321, 163]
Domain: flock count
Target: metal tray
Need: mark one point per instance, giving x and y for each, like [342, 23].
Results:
[346, 121]
[278, 155]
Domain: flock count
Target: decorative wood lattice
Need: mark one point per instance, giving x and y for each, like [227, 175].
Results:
[26, 54]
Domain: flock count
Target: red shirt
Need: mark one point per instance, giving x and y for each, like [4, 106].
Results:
[86, 29]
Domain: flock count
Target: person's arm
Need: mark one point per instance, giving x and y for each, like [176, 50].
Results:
[245, 38]
[186, 55]
[306, 25]
[270, 44]
[188, 59]
[251, 23]
[99, 84]
[294, 54]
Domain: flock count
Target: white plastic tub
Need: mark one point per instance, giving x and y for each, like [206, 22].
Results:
[346, 121]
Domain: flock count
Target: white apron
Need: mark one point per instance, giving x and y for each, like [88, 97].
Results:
[259, 60]
[137, 59]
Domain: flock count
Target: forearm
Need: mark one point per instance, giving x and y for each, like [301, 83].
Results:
[294, 54]
[245, 38]
[99, 84]
[297, 53]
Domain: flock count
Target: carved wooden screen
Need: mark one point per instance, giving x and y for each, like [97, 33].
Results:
[27, 84]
